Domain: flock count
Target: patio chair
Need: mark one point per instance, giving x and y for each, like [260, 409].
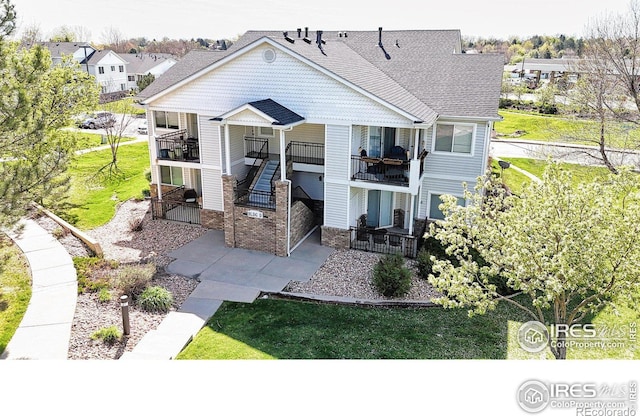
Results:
[380, 237]
[190, 196]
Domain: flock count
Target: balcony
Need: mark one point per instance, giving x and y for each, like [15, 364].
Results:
[305, 153]
[391, 171]
[178, 146]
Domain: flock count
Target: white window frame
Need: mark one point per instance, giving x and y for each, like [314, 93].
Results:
[451, 152]
[166, 125]
[113, 68]
[101, 70]
[121, 68]
[171, 168]
[431, 194]
[263, 134]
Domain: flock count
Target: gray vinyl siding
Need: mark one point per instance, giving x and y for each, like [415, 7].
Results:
[210, 151]
[308, 133]
[443, 165]
[438, 186]
[338, 162]
[336, 203]
[212, 189]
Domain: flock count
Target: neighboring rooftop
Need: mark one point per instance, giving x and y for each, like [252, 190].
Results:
[140, 63]
[419, 71]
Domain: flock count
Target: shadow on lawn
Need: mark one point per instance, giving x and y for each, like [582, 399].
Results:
[299, 330]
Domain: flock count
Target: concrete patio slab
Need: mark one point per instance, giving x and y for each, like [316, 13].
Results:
[201, 307]
[181, 324]
[225, 291]
[240, 259]
[186, 268]
[291, 268]
[159, 345]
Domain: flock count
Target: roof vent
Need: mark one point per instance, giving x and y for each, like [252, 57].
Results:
[299, 32]
[320, 41]
[386, 55]
[287, 38]
[306, 35]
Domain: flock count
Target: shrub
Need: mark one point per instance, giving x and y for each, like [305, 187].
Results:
[104, 295]
[108, 335]
[424, 263]
[88, 279]
[155, 299]
[132, 280]
[391, 277]
[135, 224]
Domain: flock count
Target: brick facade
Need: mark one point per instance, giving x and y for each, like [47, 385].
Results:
[302, 221]
[335, 237]
[212, 219]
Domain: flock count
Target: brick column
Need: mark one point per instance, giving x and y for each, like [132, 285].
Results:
[282, 207]
[229, 196]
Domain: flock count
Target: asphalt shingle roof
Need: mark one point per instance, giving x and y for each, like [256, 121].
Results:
[278, 112]
[141, 63]
[421, 72]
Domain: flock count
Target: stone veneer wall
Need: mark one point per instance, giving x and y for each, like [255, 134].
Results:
[302, 221]
[264, 234]
[212, 219]
[335, 238]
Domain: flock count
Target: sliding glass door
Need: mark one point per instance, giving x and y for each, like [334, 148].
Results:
[379, 208]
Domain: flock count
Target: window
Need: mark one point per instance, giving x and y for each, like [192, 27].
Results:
[121, 68]
[265, 131]
[100, 70]
[434, 206]
[113, 68]
[166, 120]
[123, 87]
[131, 78]
[170, 175]
[454, 138]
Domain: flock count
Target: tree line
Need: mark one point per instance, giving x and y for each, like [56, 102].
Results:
[515, 49]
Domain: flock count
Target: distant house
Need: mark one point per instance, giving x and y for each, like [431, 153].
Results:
[107, 66]
[141, 64]
[543, 70]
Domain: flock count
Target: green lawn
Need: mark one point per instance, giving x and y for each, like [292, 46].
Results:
[93, 201]
[278, 329]
[579, 173]
[511, 177]
[15, 289]
[553, 128]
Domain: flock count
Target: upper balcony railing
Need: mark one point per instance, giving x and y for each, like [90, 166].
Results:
[305, 152]
[374, 169]
[178, 146]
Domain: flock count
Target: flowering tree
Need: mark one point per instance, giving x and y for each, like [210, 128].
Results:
[568, 251]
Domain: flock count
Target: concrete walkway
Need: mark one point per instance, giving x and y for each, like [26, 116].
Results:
[230, 274]
[45, 329]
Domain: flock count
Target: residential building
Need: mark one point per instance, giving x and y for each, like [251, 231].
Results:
[141, 64]
[360, 132]
[109, 69]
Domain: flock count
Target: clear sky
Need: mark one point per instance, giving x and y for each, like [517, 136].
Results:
[216, 19]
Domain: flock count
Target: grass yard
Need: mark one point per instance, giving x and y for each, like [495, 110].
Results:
[278, 329]
[511, 177]
[579, 173]
[93, 201]
[552, 128]
[15, 289]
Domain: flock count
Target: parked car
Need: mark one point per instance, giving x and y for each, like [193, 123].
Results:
[143, 128]
[99, 121]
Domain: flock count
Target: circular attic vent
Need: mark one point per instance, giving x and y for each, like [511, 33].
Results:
[269, 55]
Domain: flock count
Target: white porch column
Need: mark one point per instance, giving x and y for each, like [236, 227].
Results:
[411, 213]
[227, 150]
[283, 157]
[416, 144]
[158, 182]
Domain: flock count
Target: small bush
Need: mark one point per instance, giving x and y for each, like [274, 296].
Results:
[108, 335]
[135, 224]
[132, 280]
[59, 232]
[391, 277]
[104, 295]
[424, 263]
[155, 299]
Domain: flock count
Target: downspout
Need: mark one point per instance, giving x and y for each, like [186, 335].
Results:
[227, 149]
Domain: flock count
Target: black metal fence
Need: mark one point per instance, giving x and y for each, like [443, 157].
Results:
[369, 169]
[383, 241]
[255, 198]
[188, 212]
[177, 146]
[303, 152]
[255, 147]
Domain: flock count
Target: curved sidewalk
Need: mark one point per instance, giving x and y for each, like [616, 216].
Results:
[45, 329]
